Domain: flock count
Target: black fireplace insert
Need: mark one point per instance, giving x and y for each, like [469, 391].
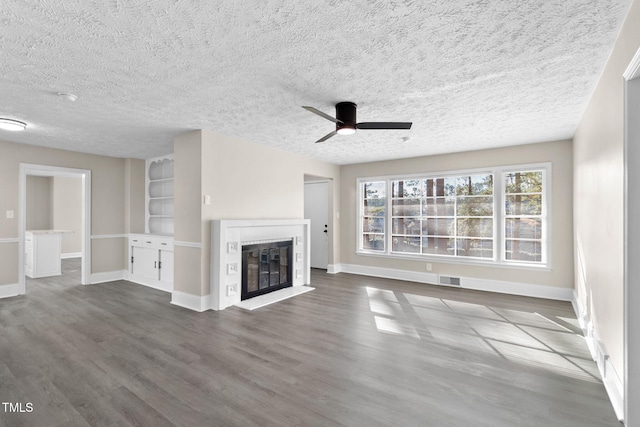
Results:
[266, 267]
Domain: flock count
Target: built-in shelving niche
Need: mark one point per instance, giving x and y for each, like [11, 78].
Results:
[160, 196]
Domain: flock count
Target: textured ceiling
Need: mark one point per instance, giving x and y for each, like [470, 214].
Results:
[470, 74]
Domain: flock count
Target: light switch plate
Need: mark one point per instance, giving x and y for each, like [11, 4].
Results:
[10, 214]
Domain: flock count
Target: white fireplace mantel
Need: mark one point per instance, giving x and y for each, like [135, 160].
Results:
[227, 238]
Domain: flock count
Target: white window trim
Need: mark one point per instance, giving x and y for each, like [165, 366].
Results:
[499, 198]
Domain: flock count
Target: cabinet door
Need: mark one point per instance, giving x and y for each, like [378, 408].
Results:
[166, 272]
[46, 255]
[145, 262]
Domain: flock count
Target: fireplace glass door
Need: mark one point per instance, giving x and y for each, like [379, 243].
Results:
[266, 267]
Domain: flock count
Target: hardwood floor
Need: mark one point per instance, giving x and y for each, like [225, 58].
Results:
[356, 351]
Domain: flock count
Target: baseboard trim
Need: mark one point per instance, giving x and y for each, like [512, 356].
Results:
[516, 288]
[108, 276]
[512, 288]
[12, 290]
[71, 255]
[192, 302]
[150, 283]
[333, 268]
[389, 273]
[610, 378]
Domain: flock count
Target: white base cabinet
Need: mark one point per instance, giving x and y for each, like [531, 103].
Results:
[42, 253]
[151, 261]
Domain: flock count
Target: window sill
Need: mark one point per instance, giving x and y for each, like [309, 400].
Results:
[458, 261]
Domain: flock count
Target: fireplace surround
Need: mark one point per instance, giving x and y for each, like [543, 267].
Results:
[228, 237]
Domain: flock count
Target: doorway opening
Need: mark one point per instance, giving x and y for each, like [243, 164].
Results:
[40, 235]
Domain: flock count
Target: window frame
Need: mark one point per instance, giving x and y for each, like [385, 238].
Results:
[499, 217]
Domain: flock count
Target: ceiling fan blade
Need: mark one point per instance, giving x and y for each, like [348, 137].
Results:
[384, 125]
[327, 136]
[321, 114]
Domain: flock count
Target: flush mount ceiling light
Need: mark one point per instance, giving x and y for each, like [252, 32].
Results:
[12, 125]
[69, 96]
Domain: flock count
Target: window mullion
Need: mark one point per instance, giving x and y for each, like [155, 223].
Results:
[455, 225]
[388, 218]
[499, 214]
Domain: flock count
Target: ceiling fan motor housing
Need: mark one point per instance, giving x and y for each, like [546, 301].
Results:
[346, 113]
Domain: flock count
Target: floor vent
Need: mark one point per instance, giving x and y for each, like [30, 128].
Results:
[448, 280]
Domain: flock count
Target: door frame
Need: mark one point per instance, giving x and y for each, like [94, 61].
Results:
[631, 242]
[27, 169]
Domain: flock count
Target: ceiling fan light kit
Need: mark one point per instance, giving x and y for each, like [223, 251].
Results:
[344, 130]
[346, 121]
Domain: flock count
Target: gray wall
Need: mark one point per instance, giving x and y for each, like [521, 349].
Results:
[108, 208]
[66, 201]
[245, 181]
[558, 153]
[39, 198]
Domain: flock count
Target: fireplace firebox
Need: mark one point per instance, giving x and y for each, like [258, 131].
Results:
[266, 267]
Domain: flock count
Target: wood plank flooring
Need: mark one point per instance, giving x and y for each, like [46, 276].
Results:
[357, 351]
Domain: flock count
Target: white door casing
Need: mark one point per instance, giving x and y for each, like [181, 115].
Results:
[632, 242]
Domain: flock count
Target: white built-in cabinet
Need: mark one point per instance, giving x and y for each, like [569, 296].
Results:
[42, 253]
[151, 254]
[159, 196]
[151, 261]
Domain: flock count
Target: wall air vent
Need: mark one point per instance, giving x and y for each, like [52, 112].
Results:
[448, 280]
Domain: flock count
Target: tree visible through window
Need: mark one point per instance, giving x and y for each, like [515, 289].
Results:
[458, 216]
[443, 216]
[523, 216]
[373, 218]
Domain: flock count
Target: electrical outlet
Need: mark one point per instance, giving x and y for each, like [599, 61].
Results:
[429, 266]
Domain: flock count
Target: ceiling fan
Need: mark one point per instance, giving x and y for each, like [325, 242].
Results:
[345, 121]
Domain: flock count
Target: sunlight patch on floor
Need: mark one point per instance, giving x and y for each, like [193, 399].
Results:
[392, 326]
[526, 338]
[547, 360]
